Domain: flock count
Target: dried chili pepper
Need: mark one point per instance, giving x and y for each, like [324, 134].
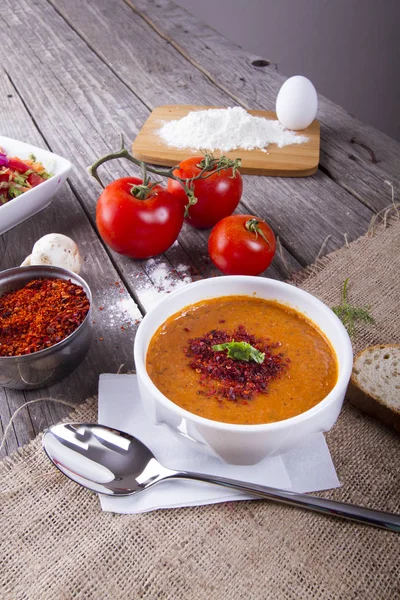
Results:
[221, 375]
[39, 315]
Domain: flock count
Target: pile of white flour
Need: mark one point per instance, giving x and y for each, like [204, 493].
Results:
[226, 129]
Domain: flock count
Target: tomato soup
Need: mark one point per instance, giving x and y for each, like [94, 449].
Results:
[284, 364]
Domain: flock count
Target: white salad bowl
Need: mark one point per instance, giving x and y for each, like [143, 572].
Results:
[243, 444]
[31, 202]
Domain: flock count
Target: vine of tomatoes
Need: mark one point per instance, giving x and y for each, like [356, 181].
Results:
[140, 219]
[217, 193]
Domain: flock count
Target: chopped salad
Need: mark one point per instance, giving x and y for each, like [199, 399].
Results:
[18, 176]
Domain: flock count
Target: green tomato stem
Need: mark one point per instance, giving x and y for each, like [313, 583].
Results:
[123, 153]
[141, 192]
[253, 225]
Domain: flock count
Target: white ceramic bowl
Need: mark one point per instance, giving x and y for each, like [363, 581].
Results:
[243, 444]
[29, 203]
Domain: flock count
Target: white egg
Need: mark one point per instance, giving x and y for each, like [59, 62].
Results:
[58, 250]
[297, 103]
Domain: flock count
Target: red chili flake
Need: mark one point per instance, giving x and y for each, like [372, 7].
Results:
[234, 379]
[40, 314]
[101, 307]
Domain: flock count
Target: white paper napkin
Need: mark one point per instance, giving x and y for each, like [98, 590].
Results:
[307, 468]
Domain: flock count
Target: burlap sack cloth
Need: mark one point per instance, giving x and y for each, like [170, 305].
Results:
[55, 542]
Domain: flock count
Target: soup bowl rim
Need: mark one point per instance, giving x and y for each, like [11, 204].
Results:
[142, 342]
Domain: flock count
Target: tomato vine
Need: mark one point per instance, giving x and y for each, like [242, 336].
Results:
[209, 166]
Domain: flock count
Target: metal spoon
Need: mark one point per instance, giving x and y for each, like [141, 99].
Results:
[115, 463]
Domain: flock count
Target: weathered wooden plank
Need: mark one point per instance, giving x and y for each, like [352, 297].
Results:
[100, 105]
[356, 156]
[85, 104]
[22, 429]
[67, 216]
[80, 100]
[155, 81]
[64, 215]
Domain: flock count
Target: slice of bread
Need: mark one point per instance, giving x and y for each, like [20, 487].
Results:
[374, 387]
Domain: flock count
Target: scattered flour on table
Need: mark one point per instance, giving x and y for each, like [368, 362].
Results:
[124, 310]
[117, 307]
[164, 280]
[226, 129]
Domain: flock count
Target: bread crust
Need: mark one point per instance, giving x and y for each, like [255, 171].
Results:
[368, 402]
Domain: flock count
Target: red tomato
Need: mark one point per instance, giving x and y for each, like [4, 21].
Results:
[217, 196]
[134, 227]
[16, 164]
[242, 245]
[34, 179]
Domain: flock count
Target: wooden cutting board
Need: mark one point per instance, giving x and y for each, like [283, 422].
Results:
[296, 160]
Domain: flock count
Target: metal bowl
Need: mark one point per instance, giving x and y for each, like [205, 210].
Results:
[45, 367]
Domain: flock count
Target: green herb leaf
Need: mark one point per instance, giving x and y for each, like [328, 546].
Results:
[241, 351]
[349, 314]
[32, 157]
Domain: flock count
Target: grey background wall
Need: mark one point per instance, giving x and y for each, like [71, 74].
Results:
[350, 49]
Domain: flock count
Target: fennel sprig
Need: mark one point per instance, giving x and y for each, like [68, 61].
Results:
[349, 314]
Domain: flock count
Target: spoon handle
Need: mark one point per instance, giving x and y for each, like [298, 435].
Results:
[333, 508]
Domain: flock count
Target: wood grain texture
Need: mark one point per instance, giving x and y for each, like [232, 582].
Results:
[93, 107]
[356, 156]
[111, 346]
[65, 112]
[80, 73]
[86, 107]
[295, 160]
[158, 74]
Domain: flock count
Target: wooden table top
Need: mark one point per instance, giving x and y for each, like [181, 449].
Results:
[74, 76]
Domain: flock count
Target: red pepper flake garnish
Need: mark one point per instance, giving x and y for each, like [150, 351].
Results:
[40, 314]
[234, 379]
